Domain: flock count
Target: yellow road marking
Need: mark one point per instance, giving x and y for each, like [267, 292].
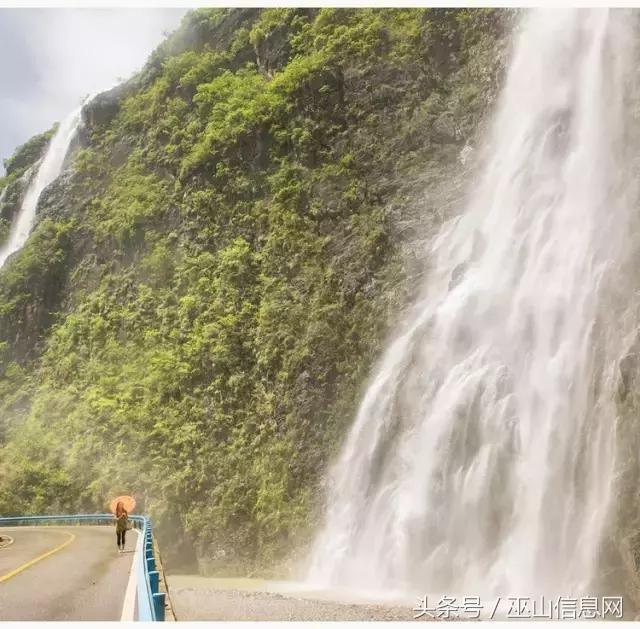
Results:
[24, 566]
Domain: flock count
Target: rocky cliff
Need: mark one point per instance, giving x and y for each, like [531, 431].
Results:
[197, 310]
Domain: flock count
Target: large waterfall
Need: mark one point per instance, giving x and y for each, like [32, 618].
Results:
[48, 170]
[481, 458]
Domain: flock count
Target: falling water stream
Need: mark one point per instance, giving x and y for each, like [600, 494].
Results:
[47, 172]
[481, 456]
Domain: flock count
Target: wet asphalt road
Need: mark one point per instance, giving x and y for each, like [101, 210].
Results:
[84, 578]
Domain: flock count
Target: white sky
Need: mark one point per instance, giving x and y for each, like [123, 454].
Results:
[51, 58]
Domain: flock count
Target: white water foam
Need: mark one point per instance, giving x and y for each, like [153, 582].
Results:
[480, 460]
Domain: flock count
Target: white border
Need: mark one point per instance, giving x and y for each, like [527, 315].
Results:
[166, 4]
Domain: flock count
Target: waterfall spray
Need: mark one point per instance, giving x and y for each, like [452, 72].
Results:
[480, 460]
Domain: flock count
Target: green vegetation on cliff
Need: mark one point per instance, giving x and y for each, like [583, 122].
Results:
[197, 311]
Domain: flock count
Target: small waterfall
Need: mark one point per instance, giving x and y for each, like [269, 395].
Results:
[48, 171]
[481, 458]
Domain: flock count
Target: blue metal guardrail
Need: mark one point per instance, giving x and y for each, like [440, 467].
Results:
[149, 600]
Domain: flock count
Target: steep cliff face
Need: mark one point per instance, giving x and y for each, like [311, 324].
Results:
[195, 315]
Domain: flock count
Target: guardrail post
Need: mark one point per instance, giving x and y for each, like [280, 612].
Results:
[151, 563]
[154, 579]
[158, 605]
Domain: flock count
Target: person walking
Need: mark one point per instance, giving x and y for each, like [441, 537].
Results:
[122, 522]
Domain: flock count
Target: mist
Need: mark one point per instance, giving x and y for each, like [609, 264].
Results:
[51, 58]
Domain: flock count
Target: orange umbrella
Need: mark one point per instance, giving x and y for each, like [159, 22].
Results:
[128, 502]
